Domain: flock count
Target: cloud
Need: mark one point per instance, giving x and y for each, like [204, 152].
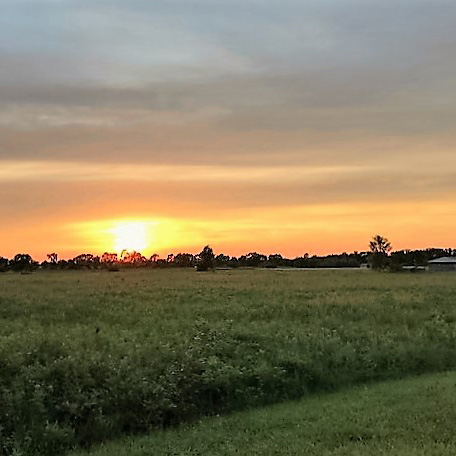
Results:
[327, 66]
[58, 171]
[86, 191]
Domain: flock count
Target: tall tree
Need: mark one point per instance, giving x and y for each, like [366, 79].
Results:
[379, 247]
[206, 259]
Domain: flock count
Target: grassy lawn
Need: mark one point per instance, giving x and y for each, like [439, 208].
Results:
[408, 417]
[88, 356]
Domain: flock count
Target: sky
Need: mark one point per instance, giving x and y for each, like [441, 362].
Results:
[286, 126]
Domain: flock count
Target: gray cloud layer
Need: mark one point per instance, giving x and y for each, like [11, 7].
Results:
[267, 64]
[309, 83]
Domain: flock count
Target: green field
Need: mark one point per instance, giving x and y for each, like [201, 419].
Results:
[413, 417]
[89, 356]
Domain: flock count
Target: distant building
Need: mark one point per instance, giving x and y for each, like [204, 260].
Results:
[443, 264]
[413, 268]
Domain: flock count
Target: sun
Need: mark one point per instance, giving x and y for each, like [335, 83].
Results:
[130, 236]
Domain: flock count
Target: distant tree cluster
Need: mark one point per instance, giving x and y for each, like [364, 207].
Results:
[378, 257]
[22, 262]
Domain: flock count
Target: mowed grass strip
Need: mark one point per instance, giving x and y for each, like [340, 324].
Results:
[88, 356]
[413, 417]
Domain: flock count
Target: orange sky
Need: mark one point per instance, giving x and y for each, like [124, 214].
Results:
[98, 223]
[270, 126]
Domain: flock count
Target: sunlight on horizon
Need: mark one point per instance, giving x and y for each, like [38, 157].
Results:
[133, 236]
[115, 236]
[146, 236]
[291, 231]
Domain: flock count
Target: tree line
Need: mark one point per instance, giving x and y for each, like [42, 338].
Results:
[379, 256]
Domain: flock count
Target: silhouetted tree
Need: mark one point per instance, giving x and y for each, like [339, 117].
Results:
[52, 258]
[205, 259]
[184, 260]
[4, 264]
[222, 260]
[85, 260]
[63, 264]
[109, 258]
[379, 247]
[274, 260]
[154, 258]
[52, 261]
[254, 259]
[134, 259]
[22, 262]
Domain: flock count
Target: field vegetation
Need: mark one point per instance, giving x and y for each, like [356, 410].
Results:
[411, 417]
[89, 356]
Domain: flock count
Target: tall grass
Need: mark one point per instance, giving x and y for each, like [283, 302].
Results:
[86, 356]
[382, 419]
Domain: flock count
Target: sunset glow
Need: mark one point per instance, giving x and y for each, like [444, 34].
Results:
[130, 236]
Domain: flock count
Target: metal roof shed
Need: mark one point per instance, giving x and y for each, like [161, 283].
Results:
[443, 264]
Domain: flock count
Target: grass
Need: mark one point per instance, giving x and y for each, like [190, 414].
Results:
[88, 356]
[397, 418]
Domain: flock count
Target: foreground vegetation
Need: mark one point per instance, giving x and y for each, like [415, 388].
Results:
[413, 417]
[88, 356]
